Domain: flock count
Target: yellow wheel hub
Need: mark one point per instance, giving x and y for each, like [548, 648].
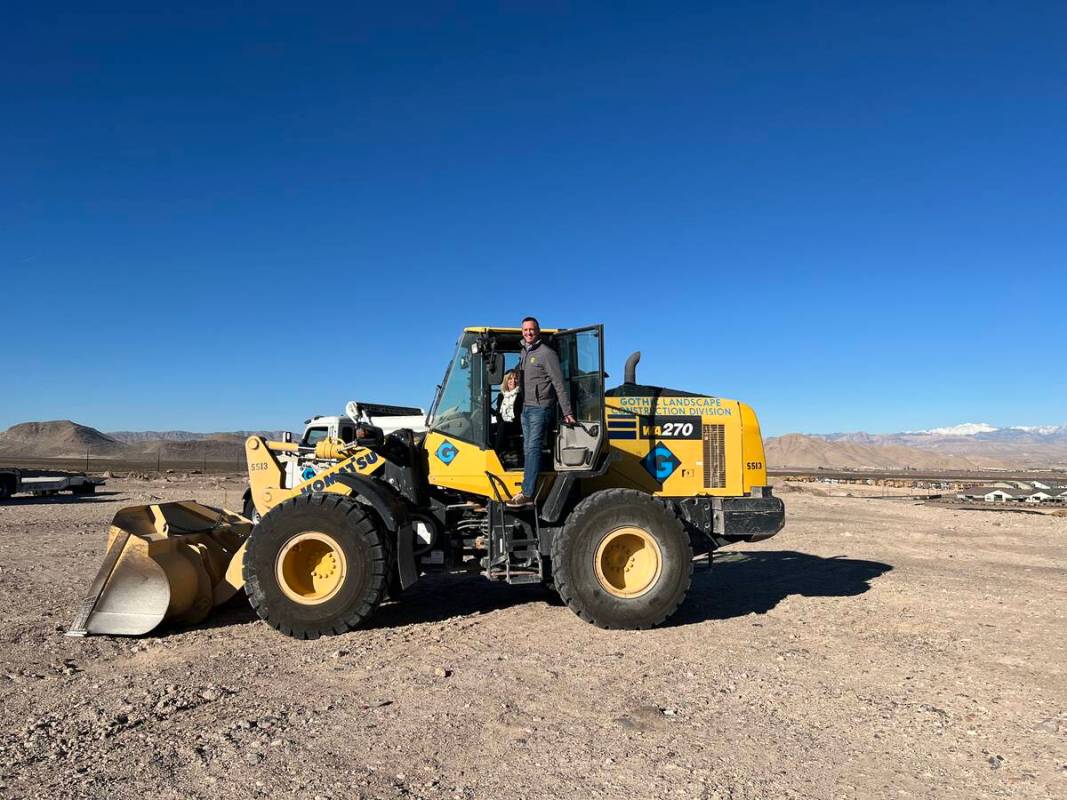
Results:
[628, 562]
[310, 568]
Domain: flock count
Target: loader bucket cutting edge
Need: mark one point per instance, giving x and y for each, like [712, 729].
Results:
[169, 562]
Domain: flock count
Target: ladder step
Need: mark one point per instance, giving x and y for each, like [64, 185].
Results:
[520, 577]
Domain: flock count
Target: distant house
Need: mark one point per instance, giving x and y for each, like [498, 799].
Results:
[987, 493]
[973, 493]
[1053, 493]
[1000, 496]
[1034, 492]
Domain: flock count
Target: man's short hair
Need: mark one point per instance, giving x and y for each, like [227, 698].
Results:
[530, 319]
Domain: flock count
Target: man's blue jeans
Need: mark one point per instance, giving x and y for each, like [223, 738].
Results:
[534, 422]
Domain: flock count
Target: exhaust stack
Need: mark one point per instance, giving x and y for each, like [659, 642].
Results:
[631, 367]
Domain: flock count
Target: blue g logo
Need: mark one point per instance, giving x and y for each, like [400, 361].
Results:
[660, 462]
[447, 452]
[308, 473]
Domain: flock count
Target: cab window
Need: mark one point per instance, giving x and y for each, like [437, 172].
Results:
[459, 409]
[313, 436]
[511, 362]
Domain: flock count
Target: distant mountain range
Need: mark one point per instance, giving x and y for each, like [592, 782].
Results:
[961, 447]
[972, 445]
[135, 437]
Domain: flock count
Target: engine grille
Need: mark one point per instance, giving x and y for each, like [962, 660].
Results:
[714, 456]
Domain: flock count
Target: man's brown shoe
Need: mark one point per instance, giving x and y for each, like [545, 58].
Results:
[520, 500]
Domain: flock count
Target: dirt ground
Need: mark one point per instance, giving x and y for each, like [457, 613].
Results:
[874, 648]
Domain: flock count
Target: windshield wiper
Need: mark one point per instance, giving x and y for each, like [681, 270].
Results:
[437, 394]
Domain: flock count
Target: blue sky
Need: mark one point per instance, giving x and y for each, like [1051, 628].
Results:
[231, 216]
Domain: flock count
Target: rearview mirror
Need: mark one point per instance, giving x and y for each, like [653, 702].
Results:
[369, 436]
[495, 366]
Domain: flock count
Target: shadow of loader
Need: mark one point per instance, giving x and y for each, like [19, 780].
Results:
[738, 584]
[741, 583]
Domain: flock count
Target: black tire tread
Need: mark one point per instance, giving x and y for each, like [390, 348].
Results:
[359, 522]
[576, 522]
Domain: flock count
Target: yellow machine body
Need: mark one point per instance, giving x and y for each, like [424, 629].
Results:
[469, 470]
[664, 442]
[684, 446]
[266, 473]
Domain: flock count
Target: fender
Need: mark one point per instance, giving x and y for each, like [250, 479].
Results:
[395, 517]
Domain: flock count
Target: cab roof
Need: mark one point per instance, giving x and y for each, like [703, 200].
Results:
[484, 329]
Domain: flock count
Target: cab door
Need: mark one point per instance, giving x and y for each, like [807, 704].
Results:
[581, 358]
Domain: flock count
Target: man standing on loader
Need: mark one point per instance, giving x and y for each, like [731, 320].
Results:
[542, 388]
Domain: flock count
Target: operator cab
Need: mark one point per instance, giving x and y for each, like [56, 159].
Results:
[464, 409]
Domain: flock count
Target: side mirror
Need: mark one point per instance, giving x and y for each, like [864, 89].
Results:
[369, 436]
[495, 366]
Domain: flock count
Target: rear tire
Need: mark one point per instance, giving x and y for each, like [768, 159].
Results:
[622, 560]
[315, 566]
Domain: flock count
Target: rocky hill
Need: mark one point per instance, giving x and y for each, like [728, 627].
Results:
[57, 438]
[66, 439]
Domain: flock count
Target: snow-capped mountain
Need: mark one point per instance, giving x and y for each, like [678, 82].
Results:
[983, 444]
[1042, 429]
[966, 429]
[975, 428]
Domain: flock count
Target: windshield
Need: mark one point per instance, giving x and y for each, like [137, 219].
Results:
[314, 436]
[458, 409]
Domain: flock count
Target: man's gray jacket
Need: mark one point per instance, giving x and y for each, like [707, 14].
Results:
[542, 378]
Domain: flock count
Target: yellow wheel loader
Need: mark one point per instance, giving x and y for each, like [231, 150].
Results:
[647, 479]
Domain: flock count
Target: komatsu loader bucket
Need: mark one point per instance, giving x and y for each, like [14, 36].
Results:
[165, 563]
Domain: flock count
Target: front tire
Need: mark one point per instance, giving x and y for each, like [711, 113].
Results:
[315, 566]
[251, 513]
[622, 560]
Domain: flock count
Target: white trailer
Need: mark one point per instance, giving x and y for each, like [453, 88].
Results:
[41, 482]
